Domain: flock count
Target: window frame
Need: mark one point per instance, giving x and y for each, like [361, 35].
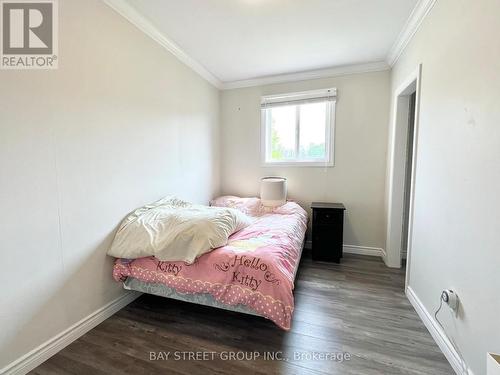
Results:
[329, 126]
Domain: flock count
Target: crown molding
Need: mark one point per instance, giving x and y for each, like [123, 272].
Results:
[418, 14]
[306, 75]
[143, 24]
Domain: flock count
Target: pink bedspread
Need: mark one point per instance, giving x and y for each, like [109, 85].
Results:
[256, 267]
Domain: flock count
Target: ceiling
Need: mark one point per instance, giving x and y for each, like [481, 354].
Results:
[238, 40]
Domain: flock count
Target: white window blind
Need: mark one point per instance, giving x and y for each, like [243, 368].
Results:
[299, 98]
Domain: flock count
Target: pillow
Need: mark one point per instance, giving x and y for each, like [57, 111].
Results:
[250, 206]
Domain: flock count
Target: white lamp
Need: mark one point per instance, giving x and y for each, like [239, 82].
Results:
[273, 191]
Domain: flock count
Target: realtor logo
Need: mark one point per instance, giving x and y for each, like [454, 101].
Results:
[29, 34]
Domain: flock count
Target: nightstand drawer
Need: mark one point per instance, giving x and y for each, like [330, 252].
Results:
[328, 217]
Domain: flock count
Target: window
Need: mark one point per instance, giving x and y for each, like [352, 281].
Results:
[298, 128]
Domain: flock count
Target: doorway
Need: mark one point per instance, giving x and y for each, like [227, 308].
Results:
[408, 176]
[401, 177]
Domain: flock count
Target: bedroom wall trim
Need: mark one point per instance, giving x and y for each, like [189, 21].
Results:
[43, 352]
[416, 17]
[376, 66]
[436, 332]
[412, 25]
[143, 24]
[364, 250]
[354, 249]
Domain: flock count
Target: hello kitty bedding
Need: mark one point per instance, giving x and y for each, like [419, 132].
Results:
[255, 269]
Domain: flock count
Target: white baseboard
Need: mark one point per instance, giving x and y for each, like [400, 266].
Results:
[364, 250]
[353, 249]
[40, 354]
[436, 332]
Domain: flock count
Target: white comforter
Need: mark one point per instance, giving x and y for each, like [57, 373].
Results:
[174, 230]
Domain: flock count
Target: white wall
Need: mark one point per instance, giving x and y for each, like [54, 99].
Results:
[457, 200]
[358, 177]
[119, 124]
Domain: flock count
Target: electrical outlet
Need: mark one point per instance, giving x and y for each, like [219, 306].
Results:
[450, 298]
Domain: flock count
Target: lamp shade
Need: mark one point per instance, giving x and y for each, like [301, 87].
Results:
[273, 191]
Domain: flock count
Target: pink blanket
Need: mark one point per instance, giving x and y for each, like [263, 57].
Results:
[256, 267]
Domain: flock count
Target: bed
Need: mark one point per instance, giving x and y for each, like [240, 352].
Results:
[253, 274]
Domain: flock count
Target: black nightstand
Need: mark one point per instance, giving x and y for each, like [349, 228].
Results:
[327, 231]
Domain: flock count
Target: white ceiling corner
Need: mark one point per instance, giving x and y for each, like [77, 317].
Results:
[143, 24]
[222, 60]
[421, 10]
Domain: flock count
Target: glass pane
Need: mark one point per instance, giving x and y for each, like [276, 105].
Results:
[313, 131]
[282, 133]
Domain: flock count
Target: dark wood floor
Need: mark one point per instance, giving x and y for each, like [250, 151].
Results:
[357, 307]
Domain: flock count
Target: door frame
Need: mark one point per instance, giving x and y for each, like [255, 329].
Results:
[396, 172]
